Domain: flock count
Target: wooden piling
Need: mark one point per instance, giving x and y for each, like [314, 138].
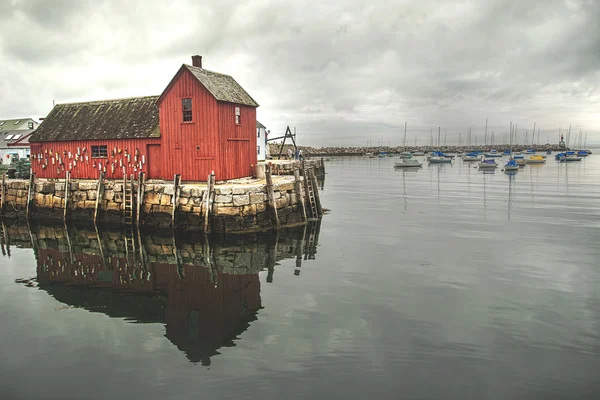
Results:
[315, 186]
[141, 193]
[67, 185]
[175, 198]
[272, 205]
[3, 193]
[299, 198]
[124, 205]
[99, 196]
[306, 188]
[30, 194]
[209, 201]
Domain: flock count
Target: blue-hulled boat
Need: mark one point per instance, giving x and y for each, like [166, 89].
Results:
[487, 164]
[511, 165]
[494, 153]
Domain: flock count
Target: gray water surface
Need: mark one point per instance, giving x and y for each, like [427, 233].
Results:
[440, 283]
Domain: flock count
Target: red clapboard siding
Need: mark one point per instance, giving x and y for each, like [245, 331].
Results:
[83, 166]
[239, 140]
[191, 149]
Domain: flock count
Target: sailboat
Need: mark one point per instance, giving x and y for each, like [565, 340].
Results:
[535, 159]
[511, 165]
[487, 163]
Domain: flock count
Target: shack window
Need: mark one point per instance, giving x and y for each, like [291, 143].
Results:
[258, 150]
[99, 152]
[186, 107]
[30, 125]
[238, 119]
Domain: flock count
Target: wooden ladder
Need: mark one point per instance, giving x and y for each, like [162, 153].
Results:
[128, 214]
[310, 192]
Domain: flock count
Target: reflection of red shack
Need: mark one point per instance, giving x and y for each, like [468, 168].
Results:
[200, 316]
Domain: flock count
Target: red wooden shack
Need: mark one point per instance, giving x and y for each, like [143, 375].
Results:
[202, 122]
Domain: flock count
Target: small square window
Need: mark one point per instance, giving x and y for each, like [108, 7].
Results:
[99, 152]
[186, 107]
[238, 119]
[17, 137]
[30, 125]
[258, 150]
[8, 137]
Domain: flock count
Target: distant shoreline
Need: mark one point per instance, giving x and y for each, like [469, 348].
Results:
[361, 151]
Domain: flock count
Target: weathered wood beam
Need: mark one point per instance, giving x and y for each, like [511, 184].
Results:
[99, 196]
[299, 197]
[67, 186]
[30, 194]
[272, 205]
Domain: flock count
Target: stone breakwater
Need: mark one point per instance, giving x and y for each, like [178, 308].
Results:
[308, 151]
[235, 207]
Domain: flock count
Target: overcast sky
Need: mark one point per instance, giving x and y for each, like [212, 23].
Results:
[341, 74]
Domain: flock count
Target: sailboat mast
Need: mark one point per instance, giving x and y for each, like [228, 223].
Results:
[439, 130]
[533, 134]
[485, 136]
[404, 140]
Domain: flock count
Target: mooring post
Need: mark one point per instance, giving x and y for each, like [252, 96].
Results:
[315, 186]
[30, 193]
[141, 193]
[99, 196]
[3, 193]
[299, 198]
[124, 205]
[306, 183]
[208, 206]
[67, 184]
[175, 198]
[271, 197]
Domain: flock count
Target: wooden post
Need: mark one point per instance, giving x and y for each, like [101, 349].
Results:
[209, 201]
[99, 196]
[271, 197]
[3, 193]
[306, 183]
[30, 194]
[67, 184]
[175, 198]
[123, 207]
[140, 196]
[299, 198]
[315, 185]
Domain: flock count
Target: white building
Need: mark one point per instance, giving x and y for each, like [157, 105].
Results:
[261, 141]
[13, 131]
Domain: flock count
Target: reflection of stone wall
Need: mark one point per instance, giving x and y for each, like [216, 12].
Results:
[241, 254]
[236, 208]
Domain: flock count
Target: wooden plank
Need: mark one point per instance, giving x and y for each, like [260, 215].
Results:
[209, 202]
[175, 198]
[3, 193]
[124, 205]
[272, 205]
[299, 197]
[67, 184]
[315, 186]
[306, 188]
[99, 196]
[141, 193]
[30, 194]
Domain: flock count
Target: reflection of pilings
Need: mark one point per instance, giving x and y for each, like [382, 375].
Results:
[5, 244]
[272, 255]
[312, 240]
[209, 261]
[70, 247]
[300, 251]
[178, 261]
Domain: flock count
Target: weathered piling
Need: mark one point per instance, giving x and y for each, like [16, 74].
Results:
[271, 195]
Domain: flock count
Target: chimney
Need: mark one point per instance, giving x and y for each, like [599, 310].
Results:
[197, 61]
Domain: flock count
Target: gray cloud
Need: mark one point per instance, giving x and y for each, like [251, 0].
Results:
[338, 73]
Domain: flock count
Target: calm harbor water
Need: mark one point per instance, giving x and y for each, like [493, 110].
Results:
[440, 283]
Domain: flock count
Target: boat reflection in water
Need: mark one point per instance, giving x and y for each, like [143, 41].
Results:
[206, 290]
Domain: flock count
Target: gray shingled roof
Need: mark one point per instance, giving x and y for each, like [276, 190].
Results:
[223, 87]
[4, 134]
[131, 118]
[259, 125]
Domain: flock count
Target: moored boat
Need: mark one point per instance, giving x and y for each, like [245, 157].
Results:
[418, 153]
[582, 153]
[511, 165]
[535, 159]
[519, 159]
[487, 164]
[472, 157]
[565, 157]
[408, 163]
[406, 155]
[494, 153]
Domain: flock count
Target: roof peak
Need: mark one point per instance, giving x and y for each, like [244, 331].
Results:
[207, 70]
[107, 100]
